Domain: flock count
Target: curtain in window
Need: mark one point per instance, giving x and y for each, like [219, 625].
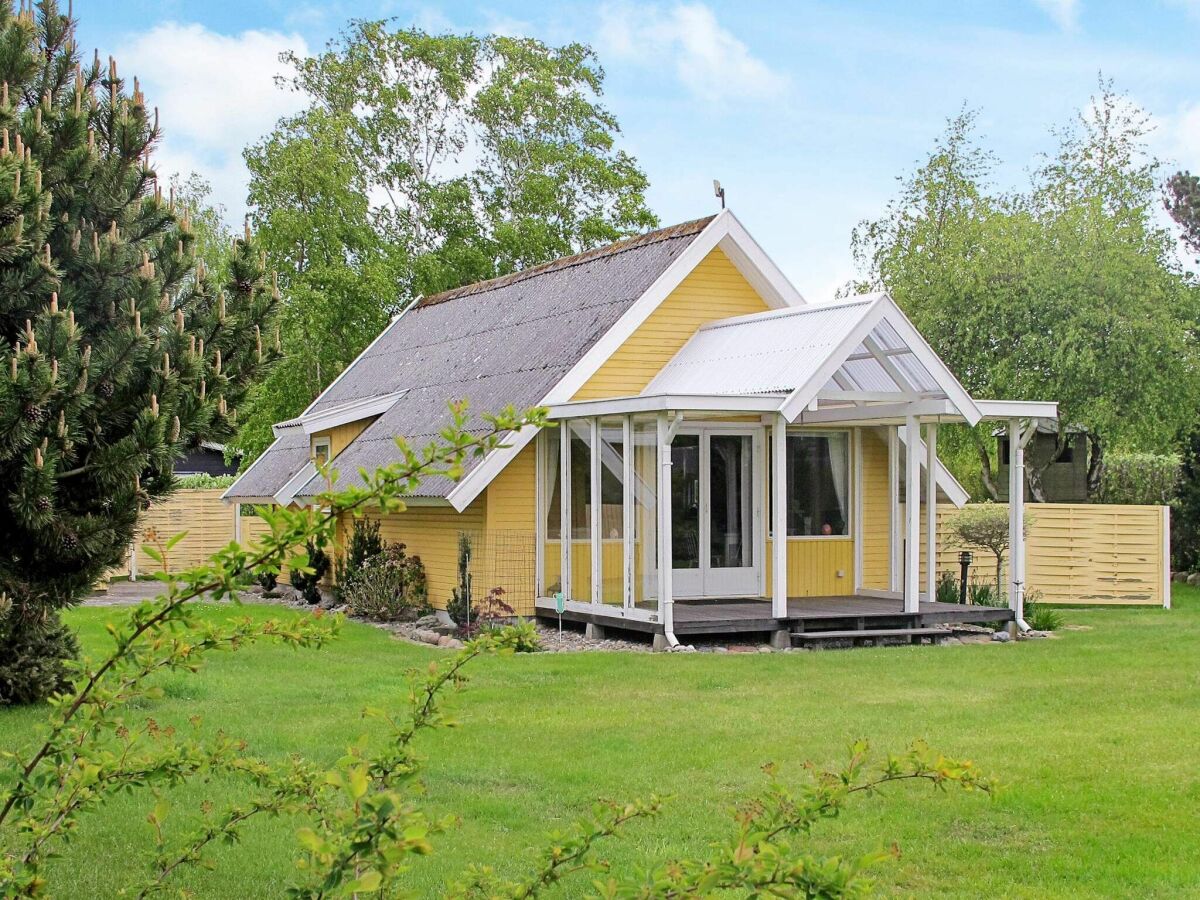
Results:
[838, 454]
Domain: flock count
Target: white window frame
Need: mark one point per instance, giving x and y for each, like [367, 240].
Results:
[317, 444]
[851, 487]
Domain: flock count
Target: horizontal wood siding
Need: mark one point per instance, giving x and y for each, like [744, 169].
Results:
[506, 551]
[715, 289]
[207, 521]
[341, 436]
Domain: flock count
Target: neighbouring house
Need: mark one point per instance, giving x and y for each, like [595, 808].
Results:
[1065, 479]
[207, 459]
[703, 408]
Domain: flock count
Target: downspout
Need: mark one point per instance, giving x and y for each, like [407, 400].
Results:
[1016, 500]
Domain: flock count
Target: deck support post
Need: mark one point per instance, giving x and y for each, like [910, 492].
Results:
[1016, 519]
[931, 435]
[666, 603]
[912, 515]
[779, 586]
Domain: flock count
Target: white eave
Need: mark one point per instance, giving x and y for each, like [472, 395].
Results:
[351, 411]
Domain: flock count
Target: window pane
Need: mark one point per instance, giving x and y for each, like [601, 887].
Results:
[581, 510]
[685, 501]
[730, 525]
[612, 511]
[645, 513]
[818, 484]
[552, 511]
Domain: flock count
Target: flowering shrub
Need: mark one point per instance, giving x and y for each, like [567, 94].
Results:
[389, 586]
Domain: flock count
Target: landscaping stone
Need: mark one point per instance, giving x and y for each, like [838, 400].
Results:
[426, 636]
[1179, 577]
[1194, 579]
[449, 643]
[1001, 637]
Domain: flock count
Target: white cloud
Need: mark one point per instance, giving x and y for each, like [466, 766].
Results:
[1065, 13]
[708, 59]
[1177, 138]
[216, 93]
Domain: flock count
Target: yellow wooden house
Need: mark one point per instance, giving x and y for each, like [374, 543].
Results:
[702, 409]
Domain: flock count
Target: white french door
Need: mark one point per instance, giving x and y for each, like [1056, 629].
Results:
[716, 512]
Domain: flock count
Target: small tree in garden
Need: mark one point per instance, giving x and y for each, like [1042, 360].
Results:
[459, 607]
[118, 351]
[984, 526]
[365, 543]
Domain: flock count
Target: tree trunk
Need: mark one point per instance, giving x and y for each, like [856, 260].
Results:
[1095, 475]
[985, 471]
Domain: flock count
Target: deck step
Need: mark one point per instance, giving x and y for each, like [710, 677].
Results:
[869, 634]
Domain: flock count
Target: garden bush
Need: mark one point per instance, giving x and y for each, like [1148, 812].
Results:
[388, 587]
[459, 607]
[267, 580]
[1141, 478]
[203, 481]
[309, 583]
[33, 660]
[947, 588]
[365, 543]
[1040, 617]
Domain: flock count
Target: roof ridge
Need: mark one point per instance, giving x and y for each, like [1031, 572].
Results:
[683, 229]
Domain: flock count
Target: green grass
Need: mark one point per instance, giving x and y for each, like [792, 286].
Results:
[1095, 735]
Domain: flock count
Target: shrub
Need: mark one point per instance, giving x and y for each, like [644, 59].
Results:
[388, 587]
[459, 607]
[947, 588]
[34, 658]
[1141, 478]
[266, 579]
[1040, 617]
[492, 612]
[365, 543]
[984, 593]
[524, 637]
[309, 584]
[203, 481]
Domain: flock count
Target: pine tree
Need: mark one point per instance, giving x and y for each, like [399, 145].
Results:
[118, 352]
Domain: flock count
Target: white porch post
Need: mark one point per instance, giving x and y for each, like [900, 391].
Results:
[895, 531]
[912, 515]
[666, 603]
[564, 507]
[931, 434]
[237, 522]
[779, 517]
[627, 510]
[594, 529]
[1016, 520]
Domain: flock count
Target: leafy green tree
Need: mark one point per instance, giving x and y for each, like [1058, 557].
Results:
[1068, 291]
[424, 162]
[1182, 197]
[119, 351]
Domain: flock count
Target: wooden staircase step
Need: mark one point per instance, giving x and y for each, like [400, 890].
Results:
[867, 634]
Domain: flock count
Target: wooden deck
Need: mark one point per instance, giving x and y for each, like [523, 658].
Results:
[807, 614]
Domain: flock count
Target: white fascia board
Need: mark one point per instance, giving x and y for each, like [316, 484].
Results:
[287, 493]
[351, 411]
[919, 347]
[247, 472]
[804, 394]
[945, 479]
[744, 252]
[757, 267]
[1018, 409]
[379, 337]
[740, 403]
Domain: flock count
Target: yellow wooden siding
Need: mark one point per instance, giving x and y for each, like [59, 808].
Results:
[341, 436]
[715, 289]
[813, 565]
[505, 553]
[1083, 553]
[876, 511]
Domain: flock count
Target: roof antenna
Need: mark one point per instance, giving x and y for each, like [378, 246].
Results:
[719, 191]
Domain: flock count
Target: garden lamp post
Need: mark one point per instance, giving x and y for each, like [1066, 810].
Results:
[964, 561]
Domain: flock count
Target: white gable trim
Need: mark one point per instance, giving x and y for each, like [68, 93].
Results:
[746, 255]
[288, 492]
[352, 411]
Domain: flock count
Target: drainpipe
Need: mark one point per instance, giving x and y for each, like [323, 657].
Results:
[1017, 439]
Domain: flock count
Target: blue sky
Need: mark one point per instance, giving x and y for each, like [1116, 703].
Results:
[807, 112]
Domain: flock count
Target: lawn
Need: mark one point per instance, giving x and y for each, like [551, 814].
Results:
[1096, 735]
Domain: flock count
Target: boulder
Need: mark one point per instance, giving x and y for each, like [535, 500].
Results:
[425, 636]
[449, 643]
[1001, 637]
[1179, 577]
[1194, 579]
[428, 621]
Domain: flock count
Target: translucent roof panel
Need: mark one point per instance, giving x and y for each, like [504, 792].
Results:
[784, 350]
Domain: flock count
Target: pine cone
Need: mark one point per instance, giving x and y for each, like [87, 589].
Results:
[105, 390]
[42, 504]
[34, 414]
[70, 541]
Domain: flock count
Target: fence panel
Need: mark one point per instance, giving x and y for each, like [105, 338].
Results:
[1085, 553]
